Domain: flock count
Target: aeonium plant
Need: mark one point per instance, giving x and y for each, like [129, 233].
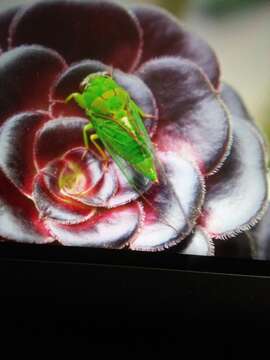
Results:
[211, 168]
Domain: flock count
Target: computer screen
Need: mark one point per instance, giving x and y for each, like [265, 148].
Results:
[137, 127]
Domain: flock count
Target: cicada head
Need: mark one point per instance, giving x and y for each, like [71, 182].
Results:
[94, 78]
[97, 91]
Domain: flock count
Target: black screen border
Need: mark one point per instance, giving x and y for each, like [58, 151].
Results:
[124, 258]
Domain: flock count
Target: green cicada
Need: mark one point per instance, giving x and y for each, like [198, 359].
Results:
[116, 121]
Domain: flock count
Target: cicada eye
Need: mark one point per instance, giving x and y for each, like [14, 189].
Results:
[106, 74]
[85, 82]
[82, 86]
[109, 71]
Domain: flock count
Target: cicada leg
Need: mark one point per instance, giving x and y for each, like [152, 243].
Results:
[93, 138]
[86, 129]
[143, 114]
[110, 71]
[78, 98]
[149, 116]
[104, 156]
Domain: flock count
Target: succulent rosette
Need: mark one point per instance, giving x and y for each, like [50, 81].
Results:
[214, 181]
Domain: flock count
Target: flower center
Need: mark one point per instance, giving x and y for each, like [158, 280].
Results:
[72, 179]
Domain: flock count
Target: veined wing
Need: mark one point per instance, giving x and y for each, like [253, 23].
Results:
[138, 125]
[120, 140]
[137, 181]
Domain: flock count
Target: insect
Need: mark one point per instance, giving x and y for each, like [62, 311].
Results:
[116, 120]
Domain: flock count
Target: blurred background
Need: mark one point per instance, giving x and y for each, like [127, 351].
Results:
[239, 32]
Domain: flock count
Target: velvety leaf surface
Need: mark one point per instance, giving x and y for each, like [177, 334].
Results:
[78, 30]
[233, 101]
[26, 75]
[163, 35]
[172, 206]
[19, 219]
[126, 192]
[57, 137]
[198, 243]
[192, 120]
[82, 171]
[102, 193]
[70, 80]
[5, 20]
[107, 229]
[237, 194]
[235, 104]
[16, 148]
[94, 184]
[261, 235]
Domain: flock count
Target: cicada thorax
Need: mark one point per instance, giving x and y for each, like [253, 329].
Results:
[104, 96]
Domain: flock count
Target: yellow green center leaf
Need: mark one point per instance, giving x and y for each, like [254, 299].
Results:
[72, 179]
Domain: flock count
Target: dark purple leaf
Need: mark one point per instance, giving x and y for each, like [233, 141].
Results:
[5, 20]
[192, 119]
[172, 206]
[58, 136]
[54, 205]
[107, 229]
[19, 219]
[198, 243]
[131, 185]
[16, 148]
[70, 80]
[80, 30]
[234, 102]
[261, 235]
[26, 76]
[236, 196]
[237, 107]
[163, 35]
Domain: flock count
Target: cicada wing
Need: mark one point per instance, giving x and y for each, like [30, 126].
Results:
[137, 181]
[134, 178]
[138, 124]
[140, 184]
